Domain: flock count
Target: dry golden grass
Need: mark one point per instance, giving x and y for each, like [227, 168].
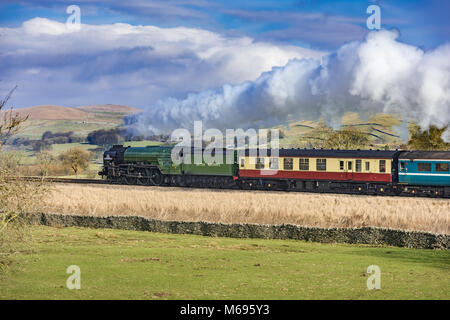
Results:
[52, 113]
[306, 209]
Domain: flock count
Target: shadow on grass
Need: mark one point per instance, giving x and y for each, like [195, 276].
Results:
[428, 258]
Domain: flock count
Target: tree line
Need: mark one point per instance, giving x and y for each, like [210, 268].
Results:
[110, 137]
[48, 138]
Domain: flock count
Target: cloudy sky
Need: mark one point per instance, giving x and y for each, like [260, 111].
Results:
[142, 52]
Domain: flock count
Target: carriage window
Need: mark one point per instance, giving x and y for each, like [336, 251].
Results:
[341, 165]
[402, 166]
[358, 165]
[259, 163]
[424, 166]
[349, 165]
[304, 164]
[273, 163]
[242, 162]
[288, 163]
[442, 167]
[367, 166]
[321, 164]
[382, 165]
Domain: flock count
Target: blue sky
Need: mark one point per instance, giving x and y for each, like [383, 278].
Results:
[330, 23]
[138, 52]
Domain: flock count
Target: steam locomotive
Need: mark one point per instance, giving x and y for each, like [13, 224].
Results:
[311, 170]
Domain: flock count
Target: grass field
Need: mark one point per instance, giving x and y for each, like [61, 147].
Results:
[81, 120]
[306, 209]
[143, 143]
[33, 129]
[118, 264]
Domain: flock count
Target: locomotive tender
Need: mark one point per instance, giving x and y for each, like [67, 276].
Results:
[313, 170]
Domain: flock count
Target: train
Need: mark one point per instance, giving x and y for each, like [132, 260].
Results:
[371, 172]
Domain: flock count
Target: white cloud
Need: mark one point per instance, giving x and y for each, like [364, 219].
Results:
[121, 63]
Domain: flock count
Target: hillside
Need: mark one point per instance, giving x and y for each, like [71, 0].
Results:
[72, 113]
[81, 120]
[115, 108]
[52, 113]
[379, 129]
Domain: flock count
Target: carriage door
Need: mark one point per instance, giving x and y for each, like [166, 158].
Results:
[349, 167]
[403, 171]
[342, 170]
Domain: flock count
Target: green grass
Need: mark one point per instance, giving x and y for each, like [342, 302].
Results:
[143, 143]
[119, 264]
[58, 149]
[33, 129]
[28, 157]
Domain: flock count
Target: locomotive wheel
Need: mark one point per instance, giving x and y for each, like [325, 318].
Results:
[129, 180]
[156, 177]
[145, 177]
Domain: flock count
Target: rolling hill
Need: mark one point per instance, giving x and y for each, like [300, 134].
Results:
[52, 113]
[379, 129]
[72, 113]
[115, 108]
[81, 120]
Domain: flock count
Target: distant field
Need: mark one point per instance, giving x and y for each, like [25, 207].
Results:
[143, 143]
[60, 148]
[29, 157]
[379, 129]
[306, 209]
[118, 264]
[34, 129]
[80, 120]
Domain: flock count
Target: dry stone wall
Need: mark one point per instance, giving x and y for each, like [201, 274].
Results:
[364, 235]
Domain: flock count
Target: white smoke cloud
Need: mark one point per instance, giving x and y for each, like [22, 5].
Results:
[379, 74]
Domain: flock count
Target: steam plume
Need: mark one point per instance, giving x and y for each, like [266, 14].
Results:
[379, 74]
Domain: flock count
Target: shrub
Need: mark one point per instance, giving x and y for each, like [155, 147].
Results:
[76, 159]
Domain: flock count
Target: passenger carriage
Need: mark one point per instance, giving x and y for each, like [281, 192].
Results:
[318, 164]
[420, 168]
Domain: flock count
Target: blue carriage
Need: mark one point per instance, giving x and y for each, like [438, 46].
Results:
[419, 168]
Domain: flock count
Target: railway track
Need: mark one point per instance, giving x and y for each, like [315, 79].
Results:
[63, 180]
[104, 182]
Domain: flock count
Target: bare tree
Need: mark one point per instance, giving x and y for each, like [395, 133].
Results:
[45, 161]
[10, 122]
[17, 197]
